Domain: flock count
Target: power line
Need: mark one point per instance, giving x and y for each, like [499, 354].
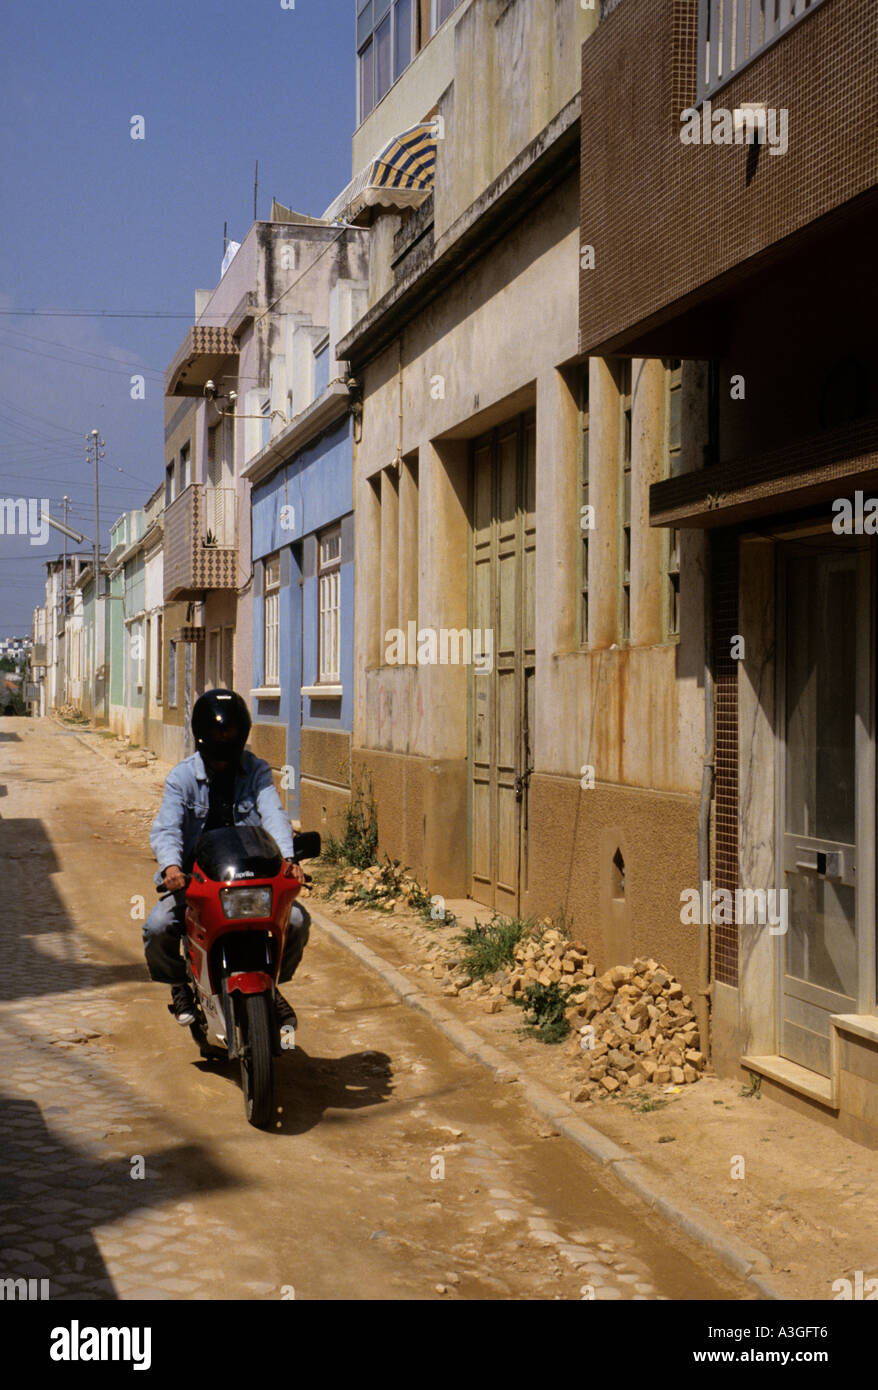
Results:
[67, 361]
[70, 347]
[94, 314]
[66, 429]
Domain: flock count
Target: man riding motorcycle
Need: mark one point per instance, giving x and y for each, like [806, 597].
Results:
[219, 785]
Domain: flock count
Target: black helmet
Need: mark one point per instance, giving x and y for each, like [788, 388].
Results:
[221, 726]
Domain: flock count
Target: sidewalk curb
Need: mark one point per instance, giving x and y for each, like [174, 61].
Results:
[749, 1264]
[80, 737]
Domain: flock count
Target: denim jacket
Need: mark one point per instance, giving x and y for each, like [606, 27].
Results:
[184, 809]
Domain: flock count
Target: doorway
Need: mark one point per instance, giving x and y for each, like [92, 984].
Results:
[827, 794]
[501, 699]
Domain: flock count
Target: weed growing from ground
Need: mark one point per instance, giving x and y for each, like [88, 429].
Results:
[545, 1019]
[490, 946]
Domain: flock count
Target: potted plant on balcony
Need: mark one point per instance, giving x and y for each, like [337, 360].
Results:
[210, 540]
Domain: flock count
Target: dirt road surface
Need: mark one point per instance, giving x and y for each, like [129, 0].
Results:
[397, 1169]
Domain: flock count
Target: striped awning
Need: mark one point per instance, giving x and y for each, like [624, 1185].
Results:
[401, 175]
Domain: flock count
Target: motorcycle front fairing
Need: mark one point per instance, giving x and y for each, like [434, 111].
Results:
[238, 909]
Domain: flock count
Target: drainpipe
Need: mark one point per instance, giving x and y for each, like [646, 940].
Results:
[703, 998]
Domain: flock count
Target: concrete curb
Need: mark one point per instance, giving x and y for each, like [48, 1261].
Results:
[80, 736]
[749, 1264]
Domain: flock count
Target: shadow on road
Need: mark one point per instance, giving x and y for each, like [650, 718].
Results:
[52, 1196]
[306, 1087]
[38, 951]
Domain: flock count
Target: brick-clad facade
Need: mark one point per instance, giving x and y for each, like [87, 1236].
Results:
[724, 571]
[756, 260]
[666, 219]
[192, 566]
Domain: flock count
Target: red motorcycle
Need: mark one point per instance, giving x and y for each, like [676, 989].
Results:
[237, 913]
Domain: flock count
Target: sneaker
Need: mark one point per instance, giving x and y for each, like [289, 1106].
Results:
[182, 1004]
[286, 1021]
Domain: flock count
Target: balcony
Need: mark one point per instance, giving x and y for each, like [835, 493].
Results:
[201, 549]
[678, 216]
[731, 33]
[201, 356]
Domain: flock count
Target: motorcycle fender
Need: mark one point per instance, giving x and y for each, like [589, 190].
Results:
[248, 982]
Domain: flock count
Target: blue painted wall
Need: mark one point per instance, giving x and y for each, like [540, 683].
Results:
[316, 489]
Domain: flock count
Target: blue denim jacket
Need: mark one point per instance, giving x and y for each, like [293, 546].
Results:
[184, 808]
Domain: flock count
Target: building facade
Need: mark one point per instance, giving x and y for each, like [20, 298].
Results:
[303, 537]
[728, 197]
[509, 661]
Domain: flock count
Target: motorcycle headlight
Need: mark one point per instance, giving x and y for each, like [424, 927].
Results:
[245, 902]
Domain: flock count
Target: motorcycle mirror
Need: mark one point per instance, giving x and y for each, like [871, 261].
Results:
[307, 845]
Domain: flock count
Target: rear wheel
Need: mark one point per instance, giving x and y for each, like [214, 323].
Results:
[256, 1057]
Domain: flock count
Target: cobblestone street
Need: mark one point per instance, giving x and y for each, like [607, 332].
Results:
[398, 1168]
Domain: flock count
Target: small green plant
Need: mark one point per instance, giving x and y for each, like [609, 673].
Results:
[422, 902]
[562, 923]
[643, 1103]
[545, 1020]
[755, 1087]
[358, 846]
[490, 946]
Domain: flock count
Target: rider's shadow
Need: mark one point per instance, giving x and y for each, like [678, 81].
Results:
[306, 1087]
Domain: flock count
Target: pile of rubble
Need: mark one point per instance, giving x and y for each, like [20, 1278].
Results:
[70, 712]
[549, 959]
[633, 1024]
[384, 887]
[133, 756]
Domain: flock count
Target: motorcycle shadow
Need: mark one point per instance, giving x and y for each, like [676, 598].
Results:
[306, 1087]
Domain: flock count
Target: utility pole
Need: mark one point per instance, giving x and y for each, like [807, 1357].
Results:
[95, 451]
[64, 600]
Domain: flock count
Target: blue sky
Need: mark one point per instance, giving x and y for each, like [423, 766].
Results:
[93, 220]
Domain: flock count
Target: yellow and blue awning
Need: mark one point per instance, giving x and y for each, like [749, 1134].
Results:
[401, 175]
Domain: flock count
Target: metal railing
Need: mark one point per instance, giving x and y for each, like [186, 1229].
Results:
[731, 33]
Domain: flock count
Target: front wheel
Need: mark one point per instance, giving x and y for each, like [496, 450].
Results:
[256, 1057]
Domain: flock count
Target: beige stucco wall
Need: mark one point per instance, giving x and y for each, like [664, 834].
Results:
[515, 66]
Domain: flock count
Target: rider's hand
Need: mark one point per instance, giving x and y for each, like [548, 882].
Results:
[174, 878]
[294, 870]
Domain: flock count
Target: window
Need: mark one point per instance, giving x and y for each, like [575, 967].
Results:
[227, 665]
[329, 574]
[271, 629]
[172, 675]
[582, 514]
[321, 368]
[673, 452]
[265, 423]
[169, 484]
[441, 11]
[137, 655]
[185, 471]
[384, 47]
[158, 659]
[625, 493]
[213, 659]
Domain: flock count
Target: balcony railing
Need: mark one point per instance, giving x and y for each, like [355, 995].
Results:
[731, 33]
[200, 543]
